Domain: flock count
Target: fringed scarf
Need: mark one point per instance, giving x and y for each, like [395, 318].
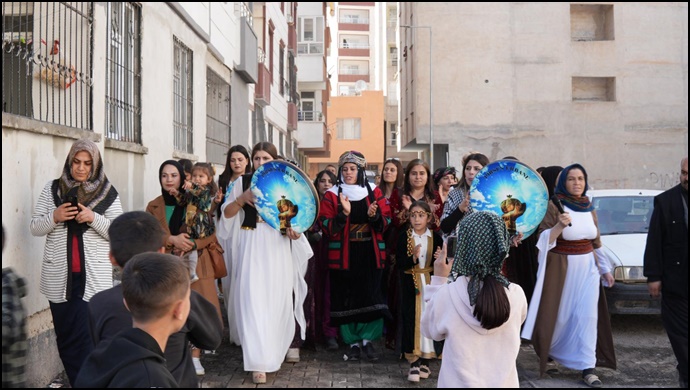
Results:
[575, 203]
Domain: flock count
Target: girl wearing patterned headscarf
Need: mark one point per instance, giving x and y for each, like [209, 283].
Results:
[568, 318]
[353, 216]
[479, 315]
[75, 261]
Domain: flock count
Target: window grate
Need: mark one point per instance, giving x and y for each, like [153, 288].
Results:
[47, 61]
[123, 72]
[183, 97]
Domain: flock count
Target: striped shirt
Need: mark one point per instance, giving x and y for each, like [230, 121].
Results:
[98, 270]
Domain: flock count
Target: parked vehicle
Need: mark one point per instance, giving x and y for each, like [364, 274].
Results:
[623, 224]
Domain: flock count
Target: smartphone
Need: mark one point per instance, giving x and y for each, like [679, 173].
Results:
[450, 246]
[73, 201]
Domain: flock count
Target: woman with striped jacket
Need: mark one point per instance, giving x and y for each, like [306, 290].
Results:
[75, 212]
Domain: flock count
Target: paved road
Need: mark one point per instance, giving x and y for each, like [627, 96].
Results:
[645, 359]
[644, 356]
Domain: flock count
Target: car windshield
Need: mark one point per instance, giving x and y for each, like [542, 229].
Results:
[624, 214]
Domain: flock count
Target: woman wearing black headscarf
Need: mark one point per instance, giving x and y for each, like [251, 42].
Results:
[171, 216]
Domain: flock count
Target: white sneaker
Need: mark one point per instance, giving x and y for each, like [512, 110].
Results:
[292, 355]
[198, 367]
[194, 278]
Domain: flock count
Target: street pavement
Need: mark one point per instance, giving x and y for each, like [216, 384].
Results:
[645, 359]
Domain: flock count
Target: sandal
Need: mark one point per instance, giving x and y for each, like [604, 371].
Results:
[592, 380]
[258, 377]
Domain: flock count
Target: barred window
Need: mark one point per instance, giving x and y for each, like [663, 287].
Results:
[182, 89]
[47, 61]
[217, 118]
[123, 72]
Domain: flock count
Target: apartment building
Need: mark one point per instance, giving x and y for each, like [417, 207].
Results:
[602, 84]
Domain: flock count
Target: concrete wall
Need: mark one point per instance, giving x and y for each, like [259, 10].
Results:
[503, 85]
[34, 152]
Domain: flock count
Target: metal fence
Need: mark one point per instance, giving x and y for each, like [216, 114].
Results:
[47, 62]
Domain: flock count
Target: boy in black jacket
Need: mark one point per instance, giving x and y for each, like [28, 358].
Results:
[156, 291]
[138, 232]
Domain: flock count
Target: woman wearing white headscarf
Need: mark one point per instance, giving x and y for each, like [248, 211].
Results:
[353, 216]
[75, 262]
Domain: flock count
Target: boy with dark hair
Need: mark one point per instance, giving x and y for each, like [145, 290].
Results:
[138, 232]
[155, 288]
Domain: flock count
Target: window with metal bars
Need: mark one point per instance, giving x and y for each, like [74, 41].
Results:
[47, 61]
[217, 118]
[123, 72]
[182, 90]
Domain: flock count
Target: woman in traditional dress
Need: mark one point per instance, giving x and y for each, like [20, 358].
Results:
[270, 269]
[568, 318]
[353, 216]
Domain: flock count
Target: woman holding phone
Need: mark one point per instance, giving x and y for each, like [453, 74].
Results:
[74, 212]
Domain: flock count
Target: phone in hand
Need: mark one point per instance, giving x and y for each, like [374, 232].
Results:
[73, 201]
[450, 246]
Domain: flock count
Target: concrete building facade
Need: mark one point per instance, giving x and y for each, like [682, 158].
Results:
[603, 84]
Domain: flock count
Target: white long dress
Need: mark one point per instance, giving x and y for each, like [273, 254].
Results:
[267, 269]
[575, 335]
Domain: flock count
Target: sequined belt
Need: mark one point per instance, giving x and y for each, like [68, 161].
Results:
[576, 247]
[360, 232]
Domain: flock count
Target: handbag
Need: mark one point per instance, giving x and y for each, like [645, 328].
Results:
[217, 260]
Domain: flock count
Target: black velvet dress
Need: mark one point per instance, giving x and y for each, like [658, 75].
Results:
[356, 295]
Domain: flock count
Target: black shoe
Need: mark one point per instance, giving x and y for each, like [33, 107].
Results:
[332, 344]
[371, 353]
[354, 354]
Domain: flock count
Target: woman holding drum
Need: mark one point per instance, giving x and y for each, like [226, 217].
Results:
[268, 266]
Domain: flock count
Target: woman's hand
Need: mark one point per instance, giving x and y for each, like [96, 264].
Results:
[293, 235]
[65, 212]
[247, 197]
[608, 278]
[219, 196]
[174, 192]
[346, 204]
[372, 210]
[406, 201]
[181, 242]
[85, 214]
[464, 206]
[516, 239]
[564, 220]
[442, 265]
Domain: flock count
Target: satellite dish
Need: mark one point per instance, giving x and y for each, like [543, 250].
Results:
[360, 86]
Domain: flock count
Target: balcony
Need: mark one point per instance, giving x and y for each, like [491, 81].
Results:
[310, 116]
[362, 4]
[353, 23]
[262, 93]
[292, 116]
[352, 74]
[353, 49]
[313, 136]
[247, 68]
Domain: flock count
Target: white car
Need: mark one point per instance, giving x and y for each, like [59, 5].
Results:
[624, 217]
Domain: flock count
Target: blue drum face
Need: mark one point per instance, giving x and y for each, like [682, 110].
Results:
[514, 191]
[285, 197]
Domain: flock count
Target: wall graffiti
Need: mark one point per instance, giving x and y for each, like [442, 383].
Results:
[664, 181]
